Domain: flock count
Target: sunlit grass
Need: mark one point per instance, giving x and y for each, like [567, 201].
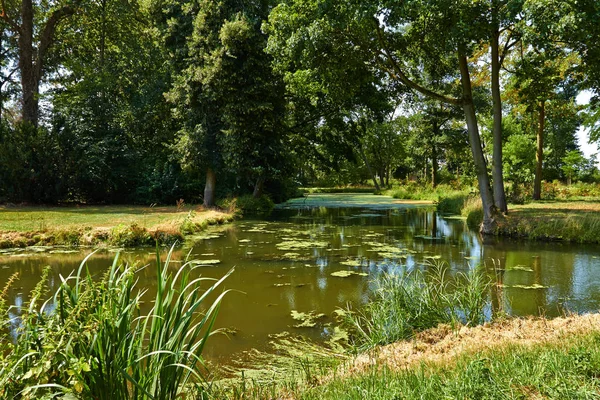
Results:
[576, 221]
[565, 369]
[23, 219]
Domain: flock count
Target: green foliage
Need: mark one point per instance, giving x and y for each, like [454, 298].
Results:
[97, 343]
[250, 205]
[573, 163]
[416, 191]
[453, 203]
[404, 305]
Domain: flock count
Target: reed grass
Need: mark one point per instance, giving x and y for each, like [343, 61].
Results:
[404, 305]
[92, 340]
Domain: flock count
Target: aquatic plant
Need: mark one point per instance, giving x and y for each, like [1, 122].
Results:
[92, 340]
[405, 304]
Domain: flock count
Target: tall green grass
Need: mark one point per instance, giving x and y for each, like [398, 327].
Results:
[412, 191]
[404, 305]
[93, 340]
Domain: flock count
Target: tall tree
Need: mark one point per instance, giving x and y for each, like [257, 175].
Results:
[544, 72]
[503, 18]
[403, 41]
[35, 28]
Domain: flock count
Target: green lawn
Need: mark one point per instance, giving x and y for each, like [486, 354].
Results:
[127, 226]
[28, 219]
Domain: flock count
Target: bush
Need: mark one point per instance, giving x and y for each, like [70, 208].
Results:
[130, 236]
[452, 204]
[247, 204]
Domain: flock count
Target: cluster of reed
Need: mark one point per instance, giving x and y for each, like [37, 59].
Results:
[92, 339]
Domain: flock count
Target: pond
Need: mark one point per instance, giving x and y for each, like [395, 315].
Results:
[321, 253]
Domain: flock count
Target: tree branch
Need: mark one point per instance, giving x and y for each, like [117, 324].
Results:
[8, 19]
[507, 46]
[47, 36]
[398, 74]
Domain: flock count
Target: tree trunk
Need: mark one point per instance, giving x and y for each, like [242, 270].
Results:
[29, 83]
[387, 176]
[497, 176]
[434, 167]
[258, 187]
[32, 57]
[366, 161]
[539, 155]
[209, 188]
[382, 178]
[488, 225]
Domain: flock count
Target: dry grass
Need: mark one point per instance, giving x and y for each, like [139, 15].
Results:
[442, 345]
[555, 208]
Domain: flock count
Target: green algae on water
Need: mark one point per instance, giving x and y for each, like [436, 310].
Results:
[307, 320]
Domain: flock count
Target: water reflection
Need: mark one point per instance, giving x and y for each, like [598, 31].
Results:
[285, 263]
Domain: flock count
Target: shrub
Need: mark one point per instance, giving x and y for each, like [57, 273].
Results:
[452, 204]
[130, 236]
[250, 205]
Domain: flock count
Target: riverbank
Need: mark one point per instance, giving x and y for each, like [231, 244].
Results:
[123, 226]
[572, 221]
[511, 358]
[515, 358]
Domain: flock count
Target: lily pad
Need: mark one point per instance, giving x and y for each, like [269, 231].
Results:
[534, 286]
[346, 274]
[352, 263]
[206, 262]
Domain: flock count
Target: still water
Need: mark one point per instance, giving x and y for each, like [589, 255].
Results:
[285, 262]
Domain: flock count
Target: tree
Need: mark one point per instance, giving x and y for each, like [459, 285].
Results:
[35, 37]
[573, 163]
[503, 18]
[108, 104]
[223, 80]
[403, 41]
[544, 72]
